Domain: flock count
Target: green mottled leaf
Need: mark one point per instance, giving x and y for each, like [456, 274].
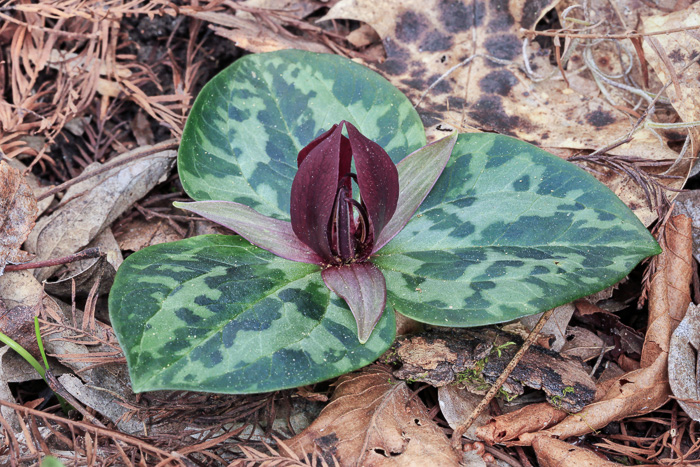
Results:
[507, 231]
[215, 313]
[247, 125]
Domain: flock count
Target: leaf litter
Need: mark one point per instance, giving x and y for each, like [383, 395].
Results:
[76, 79]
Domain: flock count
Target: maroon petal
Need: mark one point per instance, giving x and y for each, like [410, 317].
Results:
[273, 235]
[313, 193]
[377, 178]
[363, 287]
[345, 152]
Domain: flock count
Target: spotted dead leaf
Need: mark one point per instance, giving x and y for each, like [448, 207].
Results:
[683, 362]
[670, 55]
[373, 420]
[461, 64]
[18, 212]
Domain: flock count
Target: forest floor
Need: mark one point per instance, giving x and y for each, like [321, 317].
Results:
[611, 86]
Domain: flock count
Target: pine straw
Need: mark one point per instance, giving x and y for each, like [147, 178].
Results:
[669, 437]
[67, 61]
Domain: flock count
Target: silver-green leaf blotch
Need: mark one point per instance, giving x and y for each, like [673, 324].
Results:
[215, 313]
[509, 230]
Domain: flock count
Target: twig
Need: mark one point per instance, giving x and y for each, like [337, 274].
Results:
[85, 254]
[164, 146]
[460, 430]
[629, 35]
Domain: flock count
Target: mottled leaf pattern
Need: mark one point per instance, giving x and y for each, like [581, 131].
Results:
[248, 124]
[215, 313]
[508, 230]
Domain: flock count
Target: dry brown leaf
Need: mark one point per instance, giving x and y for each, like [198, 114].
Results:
[529, 419]
[555, 327]
[18, 324]
[688, 203]
[582, 343]
[18, 212]
[251, 35]
[373, 420]
[669, 294]
[83, 274]
[34, 184]
[457, 404]
[683, 362]
[644, 390]
[94, 204]
[555, 453]
[139, 233]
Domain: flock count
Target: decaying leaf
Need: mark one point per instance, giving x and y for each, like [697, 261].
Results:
[457, 404]
[103, 402]
[85, 272]
[251, 35]
[373, 420]
[94, 204]
[18, 212]
[477, 357]
[529, 419]
[671, 56]
[18, 324]
[139, 234]
[554, 453]
[583, 344]
[683, 362]
[34, 184]
[555, 327]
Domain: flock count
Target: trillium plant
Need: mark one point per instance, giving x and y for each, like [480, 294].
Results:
[345, 216]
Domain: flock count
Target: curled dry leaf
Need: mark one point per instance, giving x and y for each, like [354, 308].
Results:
[554, 453]
[94, 204]
[669, 294]
[644, 390]
[18, 212]
[683, 362]
[529, 419]
[374, 420]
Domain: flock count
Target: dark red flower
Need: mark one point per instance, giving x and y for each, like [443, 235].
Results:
[324, 215]
[332, 229]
